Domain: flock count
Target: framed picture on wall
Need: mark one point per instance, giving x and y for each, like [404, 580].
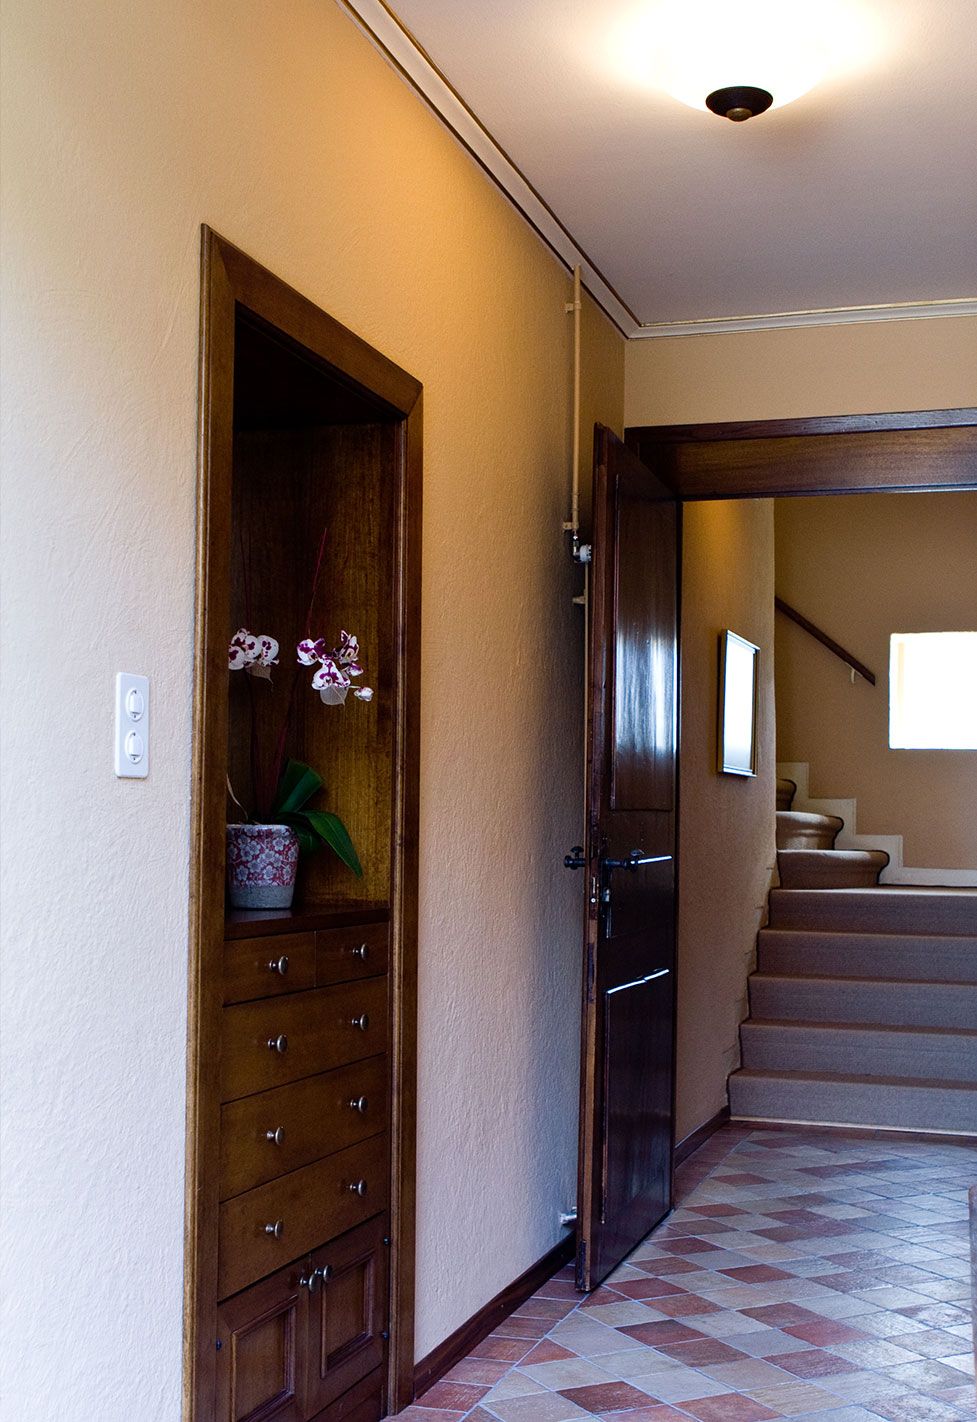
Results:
[737, 705]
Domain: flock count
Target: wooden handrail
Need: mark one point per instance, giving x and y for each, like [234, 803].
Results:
[824, 639]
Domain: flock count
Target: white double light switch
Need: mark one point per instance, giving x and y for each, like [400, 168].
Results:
[131, 725]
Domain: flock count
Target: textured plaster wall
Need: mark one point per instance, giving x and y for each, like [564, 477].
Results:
[125, 127]
[756, 375]
[862, 568]
[726, 842]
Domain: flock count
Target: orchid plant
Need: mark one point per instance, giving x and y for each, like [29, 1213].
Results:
[284, 788]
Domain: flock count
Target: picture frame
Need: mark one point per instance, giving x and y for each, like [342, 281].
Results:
[737, 721]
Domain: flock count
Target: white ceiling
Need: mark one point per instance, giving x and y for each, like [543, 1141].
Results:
[861, 193]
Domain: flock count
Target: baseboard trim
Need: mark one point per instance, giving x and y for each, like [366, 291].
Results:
[460, 1343]
[691, 1143]
[859, 1132]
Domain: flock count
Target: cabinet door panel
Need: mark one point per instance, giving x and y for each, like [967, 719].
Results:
[261, 1365]
[348, 1314]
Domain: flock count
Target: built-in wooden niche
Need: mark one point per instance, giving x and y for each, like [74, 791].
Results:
[301, 1121]
[314, 457]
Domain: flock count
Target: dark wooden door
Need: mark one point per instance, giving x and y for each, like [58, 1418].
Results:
[629, 862]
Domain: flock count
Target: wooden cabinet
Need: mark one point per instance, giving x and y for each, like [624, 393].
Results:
[303, 1260]
[303, 1337]
[301, 1101]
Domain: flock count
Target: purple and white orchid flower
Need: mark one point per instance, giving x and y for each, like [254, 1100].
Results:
[250, 653]
[336, 667]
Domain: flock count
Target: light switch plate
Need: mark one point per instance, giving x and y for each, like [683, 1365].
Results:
[131, 726]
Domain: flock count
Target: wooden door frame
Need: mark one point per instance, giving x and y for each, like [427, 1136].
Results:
[229, 280]
[919, 451]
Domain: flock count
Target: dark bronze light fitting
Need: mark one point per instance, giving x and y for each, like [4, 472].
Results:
[739, 102]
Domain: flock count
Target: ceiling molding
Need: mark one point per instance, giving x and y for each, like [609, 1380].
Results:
[378, 22]
[829, 316]
[396, 43]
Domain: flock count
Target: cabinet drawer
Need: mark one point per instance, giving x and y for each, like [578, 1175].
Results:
[262, 967]
[265, 1136]
[342, 953]
[265, 1227]
[265, 1044]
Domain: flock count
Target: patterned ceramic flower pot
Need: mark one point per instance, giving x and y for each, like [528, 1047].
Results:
[262, 861]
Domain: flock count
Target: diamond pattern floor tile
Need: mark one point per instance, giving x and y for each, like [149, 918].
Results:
[804, 1273]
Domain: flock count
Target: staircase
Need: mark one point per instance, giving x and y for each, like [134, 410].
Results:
[806, 854]
[863, 1008]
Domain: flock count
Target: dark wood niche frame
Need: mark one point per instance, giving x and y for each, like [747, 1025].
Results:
[917, 451]
[233, 285]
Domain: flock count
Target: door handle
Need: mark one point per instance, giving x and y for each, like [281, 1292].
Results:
[635, 860]
[575, 859]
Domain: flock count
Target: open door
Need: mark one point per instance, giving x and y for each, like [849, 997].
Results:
[627, 1066]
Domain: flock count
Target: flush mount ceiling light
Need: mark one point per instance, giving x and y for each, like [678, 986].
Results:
[740, 59]
[739, 102]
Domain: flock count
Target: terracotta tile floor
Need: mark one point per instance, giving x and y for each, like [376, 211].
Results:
[810, 1274]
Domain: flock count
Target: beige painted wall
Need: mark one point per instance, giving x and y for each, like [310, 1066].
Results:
[726, 845]
[814, 370]
[898, 365]
[862, 568]
[125, 127]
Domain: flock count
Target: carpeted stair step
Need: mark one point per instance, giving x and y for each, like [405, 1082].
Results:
[907, 956]
[885, 1003]
[830, 868]
[887, 909]
[786, 790]
[841, 1048]
[798, 829]
[900, 1103]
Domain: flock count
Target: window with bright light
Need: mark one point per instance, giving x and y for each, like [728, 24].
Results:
[933, 691]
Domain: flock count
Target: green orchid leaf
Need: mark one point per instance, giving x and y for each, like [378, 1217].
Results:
[331, 829]
[297, 786]
[309, 841]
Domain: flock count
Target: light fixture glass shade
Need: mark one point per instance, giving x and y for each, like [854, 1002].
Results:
[690, 48]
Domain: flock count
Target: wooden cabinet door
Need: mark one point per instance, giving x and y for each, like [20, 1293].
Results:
[348, 1312]
[261, 1337]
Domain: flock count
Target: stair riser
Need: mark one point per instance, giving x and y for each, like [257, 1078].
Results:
[897, 911]
[796, 830]
[805, 838]
[858, 1051]
[889, 1004]
[863, 955]
[855, 1103]
[830, 869]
